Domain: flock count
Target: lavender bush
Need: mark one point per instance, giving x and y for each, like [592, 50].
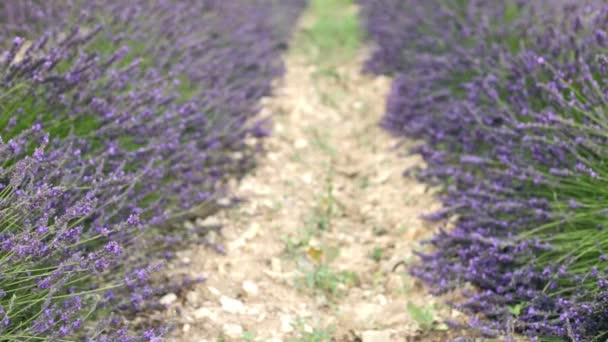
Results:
[119, 121]
[509, 100]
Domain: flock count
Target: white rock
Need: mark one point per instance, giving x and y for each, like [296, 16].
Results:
[376, 336]
[214, 291]
[364, 315]
[205, 313]
[250, 288]
[253, 312]
[233, 330]
[224, 201]
[186, 328]
[193, 297]
[382, 177]
[307, 178]
[381, 299]
[394, 283]
[232, 305]
[208, 221]
[286, 324]
[300, 143]
[252, 231]
[275, 265]
[168, 299]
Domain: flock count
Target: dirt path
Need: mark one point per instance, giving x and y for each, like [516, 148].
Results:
[310, 256]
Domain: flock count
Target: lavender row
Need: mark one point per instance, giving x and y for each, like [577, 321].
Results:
[509, 100]
[118, 121]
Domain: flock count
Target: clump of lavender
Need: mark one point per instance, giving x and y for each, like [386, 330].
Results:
[509, 99]
[116, 121]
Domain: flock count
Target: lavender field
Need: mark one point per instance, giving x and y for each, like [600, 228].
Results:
[508, 101]
[303, 171]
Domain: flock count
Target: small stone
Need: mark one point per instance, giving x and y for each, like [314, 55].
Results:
[307, 178]
[252, 231]
[168, 299]
[233, 330]
[376, 336]
[232, 305]
[193, 297]
[224, 201]
[208, 221]
[250, 288]
[253, 312]
[186, 328]
[382, 299]
[382, 177]
[214, 291]
[275, 265]
[212, 237]
[286, 324]
[300, 143]
[365, 314]
[205, 313]
[272, 156]
[394, 283]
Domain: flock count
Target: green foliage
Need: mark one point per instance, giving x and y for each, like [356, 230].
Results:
[326, 280]
[313, 334]
[425, 316]
[377, 253]
[335, 34]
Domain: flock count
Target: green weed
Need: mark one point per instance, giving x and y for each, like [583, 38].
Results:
[325, 280]
[335, 34]
[311, 334]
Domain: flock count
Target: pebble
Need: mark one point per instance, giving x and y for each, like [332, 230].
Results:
[253, 230]
[275, 265]
[307, 178]
[364, 314]
[381, 299]
[193, 297]
[382, 177]
[168, 299]
[233, 330]
[394, 283]
[186, 328]
[214, 291]
[286, 324]
[232, 305]
[224, 201]
[250, 288]
[376, 336]
[208, 221]
[205, 313]
[300, 143]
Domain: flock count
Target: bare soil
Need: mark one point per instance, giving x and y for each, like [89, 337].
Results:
[310, 255]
